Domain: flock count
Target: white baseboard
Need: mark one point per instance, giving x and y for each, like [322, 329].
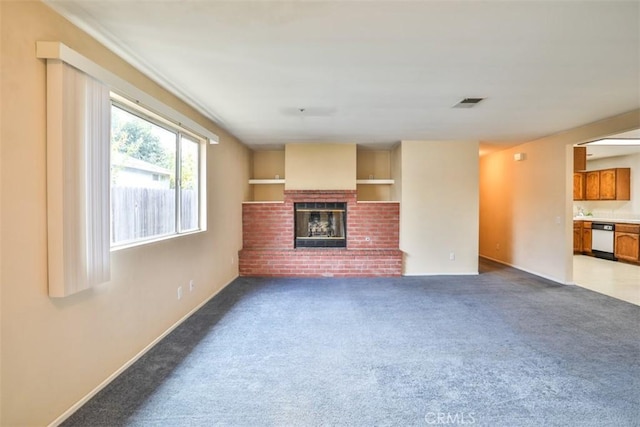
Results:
[66, 414]
[535, 273]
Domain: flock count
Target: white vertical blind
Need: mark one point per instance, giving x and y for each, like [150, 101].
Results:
[78, 147]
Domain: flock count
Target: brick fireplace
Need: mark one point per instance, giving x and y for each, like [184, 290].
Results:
[371, 237]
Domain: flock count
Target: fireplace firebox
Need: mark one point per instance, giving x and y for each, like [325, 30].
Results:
[320, 225]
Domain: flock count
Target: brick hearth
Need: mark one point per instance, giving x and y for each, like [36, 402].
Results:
[373, 230]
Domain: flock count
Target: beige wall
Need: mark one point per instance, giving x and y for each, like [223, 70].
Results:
[373, 164]
[268, 165]
[55, 351]
[396, 173]
[526, 206]
[439, 207]
[320, 166]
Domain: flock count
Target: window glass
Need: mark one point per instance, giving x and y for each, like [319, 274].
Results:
[147, 199]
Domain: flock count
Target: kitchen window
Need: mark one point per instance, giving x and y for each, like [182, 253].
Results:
[156, 177]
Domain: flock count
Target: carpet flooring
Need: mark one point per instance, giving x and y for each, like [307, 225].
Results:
[503, 348]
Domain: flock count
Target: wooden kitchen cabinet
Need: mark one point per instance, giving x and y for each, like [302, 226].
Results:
[579, 159]
[578, 185]
[627, 242]
[577, 236]
[586, 237]
[606, 184]
[592, 185]
[615, 184]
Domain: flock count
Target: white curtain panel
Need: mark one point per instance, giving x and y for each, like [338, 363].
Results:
[78, 147]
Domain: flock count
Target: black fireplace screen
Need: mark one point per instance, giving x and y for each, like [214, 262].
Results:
[321, 225]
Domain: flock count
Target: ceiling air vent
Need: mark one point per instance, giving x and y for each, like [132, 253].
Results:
[468, 103]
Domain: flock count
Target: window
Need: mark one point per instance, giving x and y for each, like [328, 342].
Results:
[155, 177]
[83, 221]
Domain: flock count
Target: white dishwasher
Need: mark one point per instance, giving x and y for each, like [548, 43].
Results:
[602, 238]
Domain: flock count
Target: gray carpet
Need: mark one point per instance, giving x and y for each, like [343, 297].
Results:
[503, 348]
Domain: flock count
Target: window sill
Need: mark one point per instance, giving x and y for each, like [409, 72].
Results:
[145, 242]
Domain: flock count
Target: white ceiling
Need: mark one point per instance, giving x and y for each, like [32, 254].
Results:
[383, 71]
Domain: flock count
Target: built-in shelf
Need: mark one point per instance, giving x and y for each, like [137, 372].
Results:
[257, 202]
[375, 181]
[266, 181]
[358, 181]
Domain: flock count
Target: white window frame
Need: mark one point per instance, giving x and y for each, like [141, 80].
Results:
[137, 110]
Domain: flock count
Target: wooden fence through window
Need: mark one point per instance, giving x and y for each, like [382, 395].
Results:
[139, 213]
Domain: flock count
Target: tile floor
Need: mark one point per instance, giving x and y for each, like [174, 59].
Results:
[617, 279]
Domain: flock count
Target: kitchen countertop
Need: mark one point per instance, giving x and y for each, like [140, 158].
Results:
[610, 220]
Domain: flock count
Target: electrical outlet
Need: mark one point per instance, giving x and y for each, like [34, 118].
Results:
[452, 256]
[497, 246]
[179, 292]
[233, 260]
[191, 285]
